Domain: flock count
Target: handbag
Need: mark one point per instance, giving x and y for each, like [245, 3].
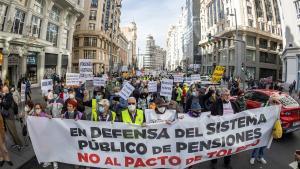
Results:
[277, 130]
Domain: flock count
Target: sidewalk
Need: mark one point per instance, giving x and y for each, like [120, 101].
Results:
[19, 158]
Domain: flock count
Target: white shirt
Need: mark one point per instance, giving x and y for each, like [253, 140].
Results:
[227, 108]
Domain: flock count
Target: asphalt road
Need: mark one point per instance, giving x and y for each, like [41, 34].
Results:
[278, 157]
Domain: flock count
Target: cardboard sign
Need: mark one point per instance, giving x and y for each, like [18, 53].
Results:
[126, 91]
[166, 87]
[98, 81]
[72, 79]
[152, 86]
[195, 78]
[218, 74]
[86, 69]
[46, 84]
[178, 78]
[153, 118]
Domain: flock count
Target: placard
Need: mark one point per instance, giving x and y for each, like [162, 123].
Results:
[178, 78]
[152, 86]
[23, 88]
[218, 74]
[98, 81]
[86, 69]
[46, 84]
[72, 79]
[126, 91]
[154, 118]
[195, 78]
[166, 87]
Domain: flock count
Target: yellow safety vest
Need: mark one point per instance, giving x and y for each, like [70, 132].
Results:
[138, 120]
[95, 114]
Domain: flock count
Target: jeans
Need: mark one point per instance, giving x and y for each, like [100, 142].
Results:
[258, 152]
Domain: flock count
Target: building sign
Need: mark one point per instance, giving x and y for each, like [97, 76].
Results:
[107, 14]
[31, 60]
[13, 60]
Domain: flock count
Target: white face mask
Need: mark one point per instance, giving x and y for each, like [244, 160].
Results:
[38, 111]
[161, 109]
[131, 108]
[26, 108]
[71, 96]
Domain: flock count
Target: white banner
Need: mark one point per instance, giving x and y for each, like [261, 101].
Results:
[98, 81]
[195, 78]
[152, 86]
[178, 78]
[46, 84]
[126, 91]
[166, 87]
[86, 69]
[72, 79]
[23, 88]
[118, 145]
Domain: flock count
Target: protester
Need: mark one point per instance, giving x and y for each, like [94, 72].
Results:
[132, 115]
[7, 110]
[143, 100]
[39, 111]
[16, 95]
[79, 103]
[223, 106]
[72, 112]
[104, 113]
[27, 89]
[4, 155]
[55, 106]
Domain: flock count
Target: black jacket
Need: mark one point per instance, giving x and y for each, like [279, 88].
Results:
[217, 107]
[6, 105]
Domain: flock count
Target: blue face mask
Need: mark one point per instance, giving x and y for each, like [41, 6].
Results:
[98, 97]
[100, 109]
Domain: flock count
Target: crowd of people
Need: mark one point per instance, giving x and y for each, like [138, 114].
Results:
[103, 104]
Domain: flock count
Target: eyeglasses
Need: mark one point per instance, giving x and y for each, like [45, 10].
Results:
[131, 103]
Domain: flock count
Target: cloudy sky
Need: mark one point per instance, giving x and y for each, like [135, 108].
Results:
[152, 17]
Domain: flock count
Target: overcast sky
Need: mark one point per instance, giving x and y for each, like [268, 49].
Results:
[152, 17]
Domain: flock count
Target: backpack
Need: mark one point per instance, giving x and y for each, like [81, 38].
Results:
[277, 130]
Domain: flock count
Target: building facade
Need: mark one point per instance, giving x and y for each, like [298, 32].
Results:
[124, 50]
[258, 25]
[154, 57]
[291, 40]
[36, 38]
[130, 33]
[96, 35]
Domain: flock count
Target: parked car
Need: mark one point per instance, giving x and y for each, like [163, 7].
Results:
[290, 110]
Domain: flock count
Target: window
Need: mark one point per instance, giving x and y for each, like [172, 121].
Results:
[250, 55]
[263, 43]
[3, 12]
[273, 46]
[258, 7]
[90, 41]
[269, 10]
[92, 26]
[65, 36]
[262, 26]
[89, 54]
[35, 26]
[250, 22]
[94, 3]
[78, 26]
[76, 42]
[267, 57]
[251, 41]
[76, 54]
[38, 6]
[54, 14]
[251, 72]
[249, 10]
[18, 22]
[52, 33]
[93, 15]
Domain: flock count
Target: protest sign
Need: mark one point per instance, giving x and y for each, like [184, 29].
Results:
[195, 78]
[152, 86]
[72, 79]
[218, 74]
[188, 80]
[166, 87]
[118, 145]
[86, 69]
[23, 88]
[178, 78]
[126, 91]
[89, 85]
[46, 84]
[153, 118]
[98, 81]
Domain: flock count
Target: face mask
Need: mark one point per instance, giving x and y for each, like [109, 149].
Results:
[161, 109]
[101, 109]
[26, 108]
[72, 96]
[38, 111]
[55, 96]
[98, 97]
[194, 94]
[131, 108]
[65, 90]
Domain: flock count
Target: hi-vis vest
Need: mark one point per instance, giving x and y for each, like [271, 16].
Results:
[95, 114]
[138, 120]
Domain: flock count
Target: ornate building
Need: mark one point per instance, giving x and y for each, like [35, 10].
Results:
[36, 37]
[130, 33]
